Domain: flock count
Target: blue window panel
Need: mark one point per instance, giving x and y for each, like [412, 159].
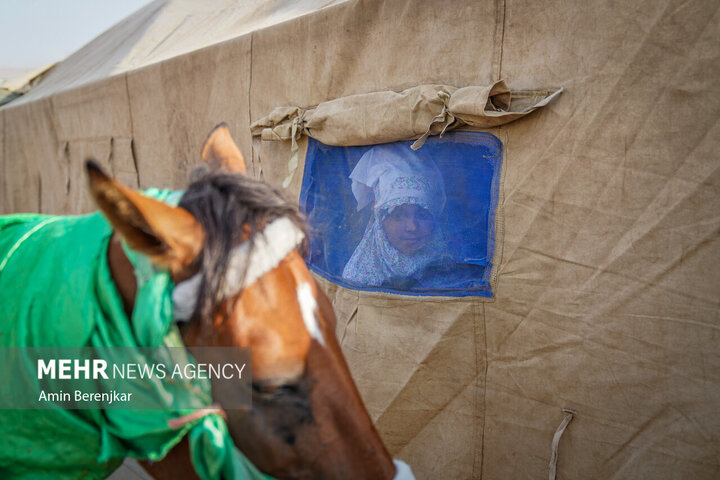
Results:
[427, 226]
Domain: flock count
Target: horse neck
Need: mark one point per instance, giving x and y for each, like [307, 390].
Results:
[328, 366]
[334, 387]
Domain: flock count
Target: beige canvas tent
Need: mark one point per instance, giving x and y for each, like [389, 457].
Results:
[607, 286]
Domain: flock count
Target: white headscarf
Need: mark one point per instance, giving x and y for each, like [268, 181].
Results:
[388, 176]
[392, 172]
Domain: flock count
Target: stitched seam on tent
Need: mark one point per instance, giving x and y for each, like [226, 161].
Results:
[499, 38]
[477, 434]
[499, 221]
[133, 153]
[477, 390]
[502, 39]
[39, 187]
[484, 390]
[249, 104]
[65, 152]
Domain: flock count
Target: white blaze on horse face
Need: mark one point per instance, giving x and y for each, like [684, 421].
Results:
[308, 307]
[271, 246]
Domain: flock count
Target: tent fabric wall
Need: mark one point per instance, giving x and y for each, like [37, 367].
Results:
[420, 364]
[177, 102]
[607, 293]
[164, 29]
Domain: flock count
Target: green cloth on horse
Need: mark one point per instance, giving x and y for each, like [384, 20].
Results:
[56, 290]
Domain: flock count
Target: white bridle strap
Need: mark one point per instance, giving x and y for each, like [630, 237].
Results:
[402, 471]
[184, 298]
[270, 247]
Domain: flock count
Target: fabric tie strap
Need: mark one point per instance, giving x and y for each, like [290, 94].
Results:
[179, 422]
[296, 132]
[444, 118]
[569, 414]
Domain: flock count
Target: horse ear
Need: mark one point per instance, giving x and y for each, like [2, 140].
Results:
[219, 147]
[170, 236]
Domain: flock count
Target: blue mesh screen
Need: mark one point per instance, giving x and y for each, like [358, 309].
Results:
[385, 218]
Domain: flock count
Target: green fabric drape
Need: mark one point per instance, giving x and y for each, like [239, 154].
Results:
[56, 290]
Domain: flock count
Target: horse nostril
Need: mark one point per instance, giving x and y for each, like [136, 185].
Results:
[275, 390]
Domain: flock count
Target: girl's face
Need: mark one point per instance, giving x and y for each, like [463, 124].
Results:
[409, 228]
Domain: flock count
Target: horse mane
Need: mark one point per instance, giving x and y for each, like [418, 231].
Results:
[231, 208]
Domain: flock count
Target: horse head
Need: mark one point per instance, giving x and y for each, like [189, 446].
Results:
[233, 248]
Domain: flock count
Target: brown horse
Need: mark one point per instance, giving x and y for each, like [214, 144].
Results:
[231, 247]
